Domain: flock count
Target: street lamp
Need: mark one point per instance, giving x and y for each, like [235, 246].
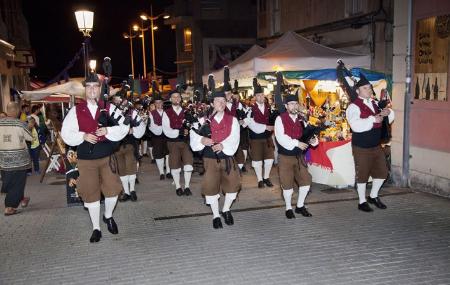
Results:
[153, 28]
[85, 23]
[131, 37]
[142, 36]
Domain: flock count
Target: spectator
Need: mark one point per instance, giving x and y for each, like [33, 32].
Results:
[24, 113]
[14, 159]
[35, 147]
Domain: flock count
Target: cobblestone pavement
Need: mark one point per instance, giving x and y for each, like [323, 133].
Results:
[165, 239]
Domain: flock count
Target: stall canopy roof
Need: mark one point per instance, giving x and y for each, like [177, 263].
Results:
[292, 52]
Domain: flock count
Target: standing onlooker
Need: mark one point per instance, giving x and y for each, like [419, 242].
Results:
[35, 147]
[24, 113]
[14, 159]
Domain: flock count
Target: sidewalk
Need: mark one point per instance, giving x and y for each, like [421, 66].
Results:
[166, 239]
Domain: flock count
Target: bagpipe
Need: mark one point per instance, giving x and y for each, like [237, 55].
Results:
[341, 73]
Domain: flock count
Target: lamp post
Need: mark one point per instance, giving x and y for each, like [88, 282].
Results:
[85, 23]
[142, 36]
[131, 37]
[153, 28]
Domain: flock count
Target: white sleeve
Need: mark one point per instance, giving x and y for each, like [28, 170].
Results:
[391, 116]
[117, 133]
[284, 140]
[168, 131]
[195, 141]
[357, 124]
[139, 131]
[254, 126]
[231, 143]
[155, 129]
[70, 132]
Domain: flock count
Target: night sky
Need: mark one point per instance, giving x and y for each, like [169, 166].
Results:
[55, 37]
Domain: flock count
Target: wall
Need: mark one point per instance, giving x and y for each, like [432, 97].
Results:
[429, 128]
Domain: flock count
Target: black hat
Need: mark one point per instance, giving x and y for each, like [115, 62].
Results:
[362, 81]
[217, 94]
[256, 87]
[236, 87]
[291, 97]
[91, 78]
[176, 90]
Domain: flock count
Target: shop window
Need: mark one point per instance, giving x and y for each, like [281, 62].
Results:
[187, 39]
[353, 7]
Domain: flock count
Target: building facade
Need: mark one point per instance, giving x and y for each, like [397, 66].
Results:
[429, 133]
[360, 26]
[16, 56]
[210, 34]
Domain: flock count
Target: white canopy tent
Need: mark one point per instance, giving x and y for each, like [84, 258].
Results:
[291, 52]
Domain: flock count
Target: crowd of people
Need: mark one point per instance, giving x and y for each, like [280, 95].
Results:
[112, 134]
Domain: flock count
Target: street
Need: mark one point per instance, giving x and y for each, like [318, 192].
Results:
[165, 239]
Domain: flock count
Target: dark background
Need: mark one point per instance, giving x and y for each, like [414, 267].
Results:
[55, 37]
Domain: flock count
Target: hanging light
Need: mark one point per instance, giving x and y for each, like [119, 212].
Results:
[85, 21]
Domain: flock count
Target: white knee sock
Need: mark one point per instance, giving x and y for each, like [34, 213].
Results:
[110, 204]
[245, 154]
[257, 165]
[125, 185]
[240, 165]
[94, 213]
[376, 186]
[302, 193]
[144, 147]
[176, 177]
[151, 152]
[287, 195]
[132, 180]
[267, 167]
[361, 188]
[160, 165]
[167, 165]
[213, 202]
[187, 169]
[229, 198]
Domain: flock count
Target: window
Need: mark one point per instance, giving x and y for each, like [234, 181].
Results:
[353, 7]
[276, 17]
[187, 39]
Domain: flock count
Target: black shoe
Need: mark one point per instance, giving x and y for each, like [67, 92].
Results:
[179, 192]
[124, 197]
[112, 226]
[244, 169]
[162, 177]
[377, 202]
[187, 192]
[137, 180]
[153, 161]
[96, 236]
[267, 182]
[133, 196]
[290, 214]
[228, 218]
[364, 207]
[261, 184]
[169, 175]
[303, 211]
[217, 223]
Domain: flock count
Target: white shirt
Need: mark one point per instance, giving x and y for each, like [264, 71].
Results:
[154, 128]
[360, 125]
[139, 131]
[254, 126]
[71, 134]
[284, 140]
[167, 130]
[230, 144]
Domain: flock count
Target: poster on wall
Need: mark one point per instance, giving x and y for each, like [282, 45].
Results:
[431, 58]
[222, 54]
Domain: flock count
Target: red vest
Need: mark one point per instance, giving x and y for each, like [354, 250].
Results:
[157, 118]
[259, 117]
[176, 121]
[366, 111]
[293, 129]
[220, 131]
[86, 123]
[234, 106]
